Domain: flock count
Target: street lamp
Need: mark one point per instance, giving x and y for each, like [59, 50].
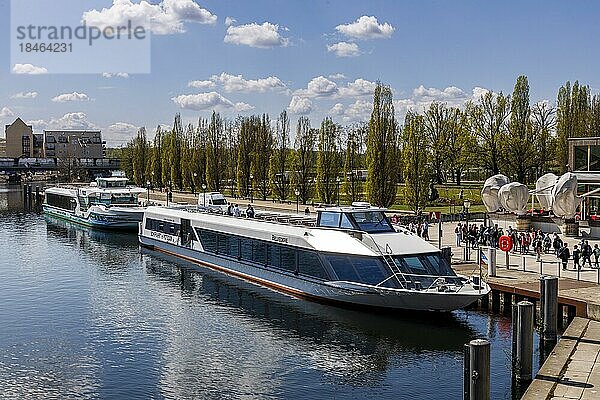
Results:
[251, 179]
[297, 193]
[338, 189]
[204, 193]
[194, 183]
[148, 191]
[467, 205]
[168, 183]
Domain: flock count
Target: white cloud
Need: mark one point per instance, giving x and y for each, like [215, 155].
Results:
[478, 92]
[167, 17]
[230, 21]
[360, 87]
[202, 101]
[422, 98]
[73, 120]
[300, 105]
[337, 76]
[262, 36]
[201, 84]
[344, 49]
[357, 111]
[366, 28]
[28, 69]
[119, 133]
[319, 87]
[6, 112]
[24, 95]
[109, 75]
[242, 107]
[75, 96]
[237, 83]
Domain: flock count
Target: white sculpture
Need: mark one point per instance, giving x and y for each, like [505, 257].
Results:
[489, 193]
[543, 188]
[564, 196]
[513, 197]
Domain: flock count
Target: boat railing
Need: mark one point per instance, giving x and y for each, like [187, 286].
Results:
[279, 218]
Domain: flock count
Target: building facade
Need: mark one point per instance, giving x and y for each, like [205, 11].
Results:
[22, 142]
[66, 144]
[584, 161]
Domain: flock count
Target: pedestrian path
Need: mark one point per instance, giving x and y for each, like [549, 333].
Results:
[572, 370]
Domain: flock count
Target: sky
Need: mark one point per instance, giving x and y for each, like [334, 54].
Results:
[313, 58]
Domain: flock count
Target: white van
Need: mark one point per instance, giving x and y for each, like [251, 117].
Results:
[213, 200]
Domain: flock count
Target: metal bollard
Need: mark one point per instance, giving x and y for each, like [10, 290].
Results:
[507, 260]
[549, 307]
[558, 268]
[523, 263]
[541, 267]
[440, 233]
[599, 275]
[479, 368]
[578, 271]
[491, 261]
[524, 341]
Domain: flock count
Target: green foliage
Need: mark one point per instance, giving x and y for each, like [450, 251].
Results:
[328, 161]
[382, 149]
[572, 116]
[415, 158]
[263, 150]
[304, 158]
[353, 161]
[440, 126]
[216, 159]
[278, 175]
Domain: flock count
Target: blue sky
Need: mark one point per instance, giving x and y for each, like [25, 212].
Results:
[425, 50]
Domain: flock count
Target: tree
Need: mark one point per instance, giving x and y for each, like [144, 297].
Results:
[199, 153]
[245, 154]
[461, 142]
[215, 153]
[328, 161]
[440, 120]
[174, 157]
[263, 152]
[594, 129]
[353, 161]
[415, 155]
[519, 139]
[488, 118]
[572, 115]
[155, 170]
[140, 157]
[279, 157]
[304, 158]
[543, 124]
[382, 149]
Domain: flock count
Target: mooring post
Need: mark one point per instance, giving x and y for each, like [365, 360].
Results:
[466, 371]
[541, 267]
[507, 302]
[513, 326]
[495, 301]
[507, 260]
[558, 268]
[479, 368]
[549, 307]
[37, 195]
[523, 263]
[491, 261]
[578, 270]
[524, 341]
[25, 193]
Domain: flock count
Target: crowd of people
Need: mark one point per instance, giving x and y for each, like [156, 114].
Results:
[419, 226]
[530, 242]
[233, 210]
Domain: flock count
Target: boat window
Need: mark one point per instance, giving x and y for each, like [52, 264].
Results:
[60, 201]
[233, 246]
[246, 249]
[343, 269]
[346, 223]
[259, 252]
[219, 202]
[372, 221]
[370, 270]
[329, 219]
[440, 264]
[274, 256]
[310, 264]
[429, 264]
[209, 241]
[222, 244]
[288, 259]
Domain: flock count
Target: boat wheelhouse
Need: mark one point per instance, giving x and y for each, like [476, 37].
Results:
[349, 255]
[106, 203]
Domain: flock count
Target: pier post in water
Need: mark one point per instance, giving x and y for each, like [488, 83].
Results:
[524, 359]
[479, 369]
[549, 307]
[466, 371]
[491, 255]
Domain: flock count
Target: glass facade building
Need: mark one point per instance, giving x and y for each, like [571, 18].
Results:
[584, 161]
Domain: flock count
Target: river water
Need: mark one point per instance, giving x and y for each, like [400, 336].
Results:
[88, 314]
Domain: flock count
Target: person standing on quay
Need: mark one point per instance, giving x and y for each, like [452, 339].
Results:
[564, 254]
[586, 252]
[458, 233]
[576, 257]
[596, 252]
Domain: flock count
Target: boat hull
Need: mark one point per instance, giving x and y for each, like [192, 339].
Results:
[94, 220]
[313, 289]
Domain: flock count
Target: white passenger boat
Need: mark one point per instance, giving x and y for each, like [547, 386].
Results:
[107, 203]
[350, 255]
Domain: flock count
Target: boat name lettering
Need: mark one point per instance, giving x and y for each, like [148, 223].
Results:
[279, 239]
[162, 236]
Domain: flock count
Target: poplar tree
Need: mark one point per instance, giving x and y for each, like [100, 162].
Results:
[215, 153]
[279, 157]
[440, 120]
[415, 158]
[155, 172]
[175, 153]
[543, 117]
[199, 152]
[304, 158]
[353, 161]
[572, 115]
[262, 155]
[140, 157]
[245, 154]
[519, 139]
[382, 149]
[328, 164]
